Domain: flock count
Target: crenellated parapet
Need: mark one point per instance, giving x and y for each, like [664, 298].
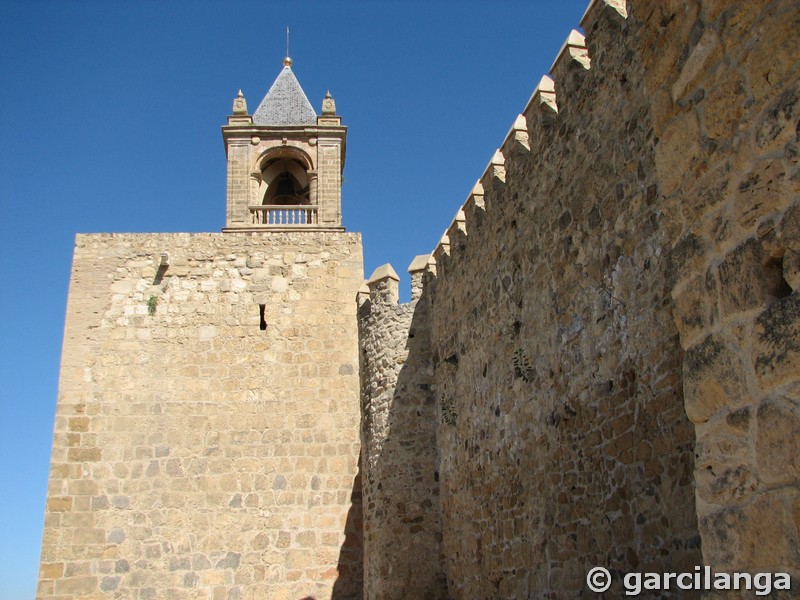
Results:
[534, 132]
[383, 286]
[417, 269]
[540, 112]
[541, 107]
[536, 291]
[571, 62]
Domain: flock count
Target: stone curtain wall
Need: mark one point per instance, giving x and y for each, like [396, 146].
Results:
[197, 455]
[613, 317]
[723, 77]
[402, 525]
[555, 347]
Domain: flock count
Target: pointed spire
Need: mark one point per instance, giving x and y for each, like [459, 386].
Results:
[285, 103]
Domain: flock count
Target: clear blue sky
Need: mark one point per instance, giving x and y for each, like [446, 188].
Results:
[109, 122]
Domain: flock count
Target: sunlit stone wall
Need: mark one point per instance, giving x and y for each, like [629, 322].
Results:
[206, 437]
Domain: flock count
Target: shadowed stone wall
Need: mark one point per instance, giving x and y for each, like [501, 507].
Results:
[724, 81]
[613, 315]
[200, 451]
[402, 526]
[555, 348]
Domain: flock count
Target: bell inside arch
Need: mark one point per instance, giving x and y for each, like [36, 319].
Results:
[285, 191]
[286, 182]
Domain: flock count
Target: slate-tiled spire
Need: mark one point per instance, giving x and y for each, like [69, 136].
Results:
[286, 102]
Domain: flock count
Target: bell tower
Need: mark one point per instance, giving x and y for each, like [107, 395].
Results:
[236, 434]
[284, 161]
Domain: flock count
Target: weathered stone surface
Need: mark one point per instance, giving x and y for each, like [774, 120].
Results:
[696, 308]
[723, 107]
[109, 584]
[778, 442]
[679, 152]
[685, 258]
[789, 233]
[76, 585]
[776, 344]
[723, 459]
[761, 190]
[733, 118]
[713, 378]
[555, 364]
[177, 410]
[748, 278]
[753, 537]
[402, 524]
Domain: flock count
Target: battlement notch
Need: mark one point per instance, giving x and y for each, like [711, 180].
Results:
[384, 285]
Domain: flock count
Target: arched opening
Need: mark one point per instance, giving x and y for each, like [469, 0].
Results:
[286, 183]
[285, 193]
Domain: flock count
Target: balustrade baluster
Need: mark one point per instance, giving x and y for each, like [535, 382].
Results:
[290, 216]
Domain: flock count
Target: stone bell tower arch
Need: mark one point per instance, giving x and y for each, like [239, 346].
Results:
[284, 161]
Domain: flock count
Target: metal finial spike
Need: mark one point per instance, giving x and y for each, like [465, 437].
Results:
[287, 61]
[240, 94]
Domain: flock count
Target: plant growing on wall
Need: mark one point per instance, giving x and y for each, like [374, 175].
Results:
[449, 413]
[152, 303]
[522, 366]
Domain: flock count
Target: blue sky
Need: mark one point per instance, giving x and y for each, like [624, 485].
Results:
[109, 122]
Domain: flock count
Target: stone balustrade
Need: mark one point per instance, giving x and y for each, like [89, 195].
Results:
[285, 215]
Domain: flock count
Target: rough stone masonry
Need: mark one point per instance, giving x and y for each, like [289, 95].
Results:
[599, 365]
[610, 326]
[197, 455]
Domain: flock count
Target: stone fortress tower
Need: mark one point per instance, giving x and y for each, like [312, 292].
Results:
[206, 436]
